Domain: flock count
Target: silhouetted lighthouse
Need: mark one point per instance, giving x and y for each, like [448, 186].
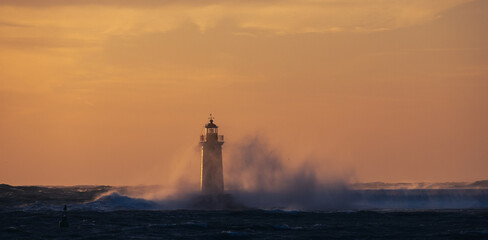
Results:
[212, 178]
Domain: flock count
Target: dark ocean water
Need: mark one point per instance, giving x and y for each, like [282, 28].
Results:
[100, 212]
[252, 224]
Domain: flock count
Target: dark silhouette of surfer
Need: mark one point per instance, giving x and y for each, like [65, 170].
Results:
[64, 218]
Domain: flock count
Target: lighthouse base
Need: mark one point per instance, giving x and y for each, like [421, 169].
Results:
[217, 202]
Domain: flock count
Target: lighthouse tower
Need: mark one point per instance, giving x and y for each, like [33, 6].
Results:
[212, 177]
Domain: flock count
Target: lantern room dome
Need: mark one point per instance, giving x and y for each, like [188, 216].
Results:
[210, 124]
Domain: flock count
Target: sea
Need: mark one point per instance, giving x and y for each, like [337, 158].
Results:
[360, 211]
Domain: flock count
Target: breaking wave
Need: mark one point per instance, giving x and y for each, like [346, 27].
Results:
[114, 201]
[336, 198]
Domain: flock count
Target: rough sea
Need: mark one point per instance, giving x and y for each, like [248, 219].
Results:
[363, 211]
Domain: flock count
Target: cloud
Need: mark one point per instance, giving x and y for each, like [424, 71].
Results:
[281, 17]
[12, 24]
[46, 42]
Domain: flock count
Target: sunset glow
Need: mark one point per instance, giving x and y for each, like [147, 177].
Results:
[117, 92]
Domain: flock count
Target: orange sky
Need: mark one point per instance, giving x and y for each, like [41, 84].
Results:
[117, 92]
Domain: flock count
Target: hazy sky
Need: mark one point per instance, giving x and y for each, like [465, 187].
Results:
[117, 92]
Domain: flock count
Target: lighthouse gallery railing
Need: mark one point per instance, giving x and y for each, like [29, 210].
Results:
[203, 138]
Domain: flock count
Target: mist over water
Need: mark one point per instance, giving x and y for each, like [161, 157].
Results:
[255, 176]
[260, 177]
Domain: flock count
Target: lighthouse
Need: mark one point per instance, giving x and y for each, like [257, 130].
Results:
[212, 176]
